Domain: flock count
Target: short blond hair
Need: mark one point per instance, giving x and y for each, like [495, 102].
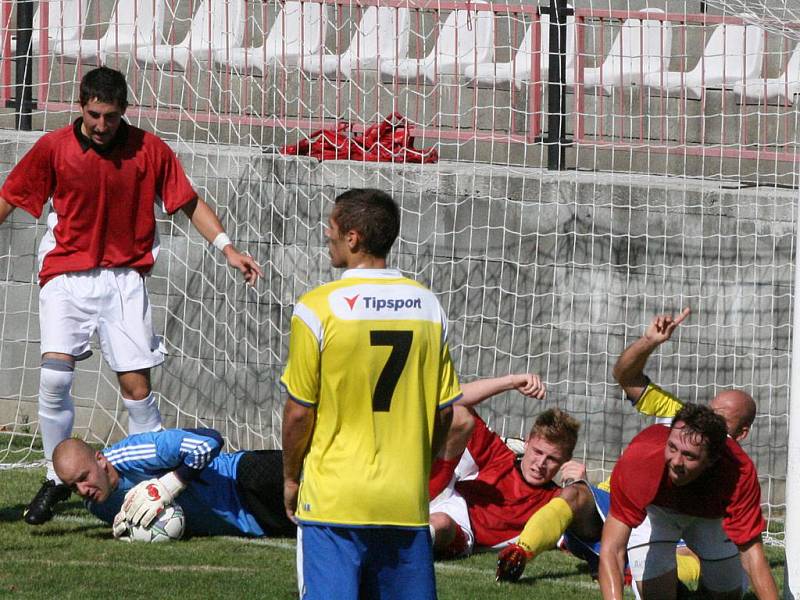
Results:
[557, 427]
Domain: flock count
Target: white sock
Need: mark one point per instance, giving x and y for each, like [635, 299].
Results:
[56, 410]
[143, 415]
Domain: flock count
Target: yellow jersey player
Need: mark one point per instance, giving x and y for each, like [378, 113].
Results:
[370, 383]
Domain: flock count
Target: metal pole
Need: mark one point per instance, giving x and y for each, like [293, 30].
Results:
[556, 85]
[23, 104]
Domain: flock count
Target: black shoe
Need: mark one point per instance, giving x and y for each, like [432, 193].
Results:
[40, 510]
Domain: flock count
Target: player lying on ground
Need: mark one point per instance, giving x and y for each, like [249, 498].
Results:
[736, 407]
[483, 496]
[689, 481]
[239, 493]
[221, 493]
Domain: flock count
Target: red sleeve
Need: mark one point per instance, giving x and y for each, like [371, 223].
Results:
[32, 181]
[172, 185]
[743, 520]
[637, 475]
[486, 447]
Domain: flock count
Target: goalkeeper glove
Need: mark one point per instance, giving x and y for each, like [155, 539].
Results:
[120, 526]
[511, 563]
[145, 501]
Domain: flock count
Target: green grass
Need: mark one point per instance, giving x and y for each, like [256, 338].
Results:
[74, 556]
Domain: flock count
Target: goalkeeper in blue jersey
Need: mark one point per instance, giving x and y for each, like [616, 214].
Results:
[239, 493]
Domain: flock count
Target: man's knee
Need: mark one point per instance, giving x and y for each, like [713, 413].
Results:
[134, 385]
[55, 381]
[443, 530]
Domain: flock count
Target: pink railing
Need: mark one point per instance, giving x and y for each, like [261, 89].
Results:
[629, 114]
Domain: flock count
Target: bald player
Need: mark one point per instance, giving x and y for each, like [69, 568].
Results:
[221, 493]
[736, 407]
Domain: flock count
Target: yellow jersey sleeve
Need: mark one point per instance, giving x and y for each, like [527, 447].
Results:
[302, 375]
[657, 403]
[449, 388]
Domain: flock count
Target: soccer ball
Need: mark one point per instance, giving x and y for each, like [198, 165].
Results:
[167, 527]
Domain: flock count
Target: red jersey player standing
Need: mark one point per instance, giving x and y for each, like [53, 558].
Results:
[689, 481]
[103, 178]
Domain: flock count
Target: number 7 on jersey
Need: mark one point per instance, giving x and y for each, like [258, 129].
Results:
[400, 342]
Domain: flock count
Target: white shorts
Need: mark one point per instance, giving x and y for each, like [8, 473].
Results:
[112, 302]
[651, 548]
[454, 506]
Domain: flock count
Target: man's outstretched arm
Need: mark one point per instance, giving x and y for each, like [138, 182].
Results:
[477, 391]
[613, 547]
[205, 220]
[629, 368]
[757, 568]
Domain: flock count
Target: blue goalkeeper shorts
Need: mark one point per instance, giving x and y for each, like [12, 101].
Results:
[352, 563]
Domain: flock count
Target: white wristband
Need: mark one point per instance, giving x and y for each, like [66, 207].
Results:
[172, 484]
[221, 241]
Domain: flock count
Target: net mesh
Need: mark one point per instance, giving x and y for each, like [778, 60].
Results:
[668, 200]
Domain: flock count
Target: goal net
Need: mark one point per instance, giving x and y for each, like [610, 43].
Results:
[676, 190]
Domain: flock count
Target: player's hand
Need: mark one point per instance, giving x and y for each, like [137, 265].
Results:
[511, 563]
[662, 326]
[571, 471]
[244, 263]
[145, 501]
[290, 492]
[529, 384]
[120, 526]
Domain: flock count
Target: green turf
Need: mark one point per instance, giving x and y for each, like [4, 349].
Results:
[74, 556]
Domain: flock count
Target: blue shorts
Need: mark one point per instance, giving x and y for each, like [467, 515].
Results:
[352, 563]
[589, 550]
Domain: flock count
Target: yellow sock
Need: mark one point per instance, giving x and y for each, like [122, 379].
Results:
[545, 526]
[688, 568]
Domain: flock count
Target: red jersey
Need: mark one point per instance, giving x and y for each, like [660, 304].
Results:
[103, 200]
[499, 500]
[728, 489]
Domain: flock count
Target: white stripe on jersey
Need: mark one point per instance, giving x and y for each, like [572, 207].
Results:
[302, 312]
[129, 453]
[109, 452]
[201, 456]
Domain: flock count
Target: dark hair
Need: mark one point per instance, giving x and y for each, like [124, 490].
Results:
[371, 213]
[704, 422]
[557, 427]
[104, 85]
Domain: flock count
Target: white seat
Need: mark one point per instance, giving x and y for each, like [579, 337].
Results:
[65, 22]
[465, 38]
[520, 69]
[779, 89]
[733, 53]
[298, 29]
[216, 25]
[641, 48]
[133, 24]
[381, 34]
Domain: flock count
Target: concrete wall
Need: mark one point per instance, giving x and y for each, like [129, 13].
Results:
[542, 271]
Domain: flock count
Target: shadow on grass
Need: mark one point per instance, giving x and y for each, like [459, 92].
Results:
[9, 514]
